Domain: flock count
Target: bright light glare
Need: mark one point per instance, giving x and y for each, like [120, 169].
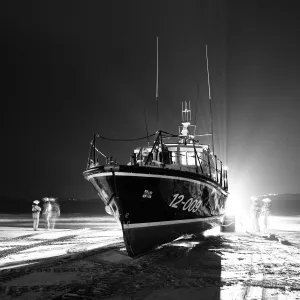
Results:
[233, 207]
[212, 232]
[236, 199]
[266, 200]
[185, 244]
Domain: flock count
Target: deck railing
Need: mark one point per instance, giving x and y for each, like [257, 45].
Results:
[212, 167]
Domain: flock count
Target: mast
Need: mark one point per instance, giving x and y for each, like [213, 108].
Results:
[146, 127]
[210, 108]
[157, 119]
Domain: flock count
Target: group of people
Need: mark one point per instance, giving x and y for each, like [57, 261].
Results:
[260, 209]
[50, 213]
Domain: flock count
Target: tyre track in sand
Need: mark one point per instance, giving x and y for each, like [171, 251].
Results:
[19, 248]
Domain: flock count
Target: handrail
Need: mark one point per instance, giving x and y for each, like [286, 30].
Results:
[218, 175]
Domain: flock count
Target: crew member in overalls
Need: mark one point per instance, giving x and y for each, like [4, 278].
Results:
[36, 214]
[47, 210]
[255, 214]
[265, 212]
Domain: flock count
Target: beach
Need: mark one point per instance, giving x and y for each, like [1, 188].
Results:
[85, 258]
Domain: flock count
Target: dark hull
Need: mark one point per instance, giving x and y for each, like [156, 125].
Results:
[142, 239]
[155, 205]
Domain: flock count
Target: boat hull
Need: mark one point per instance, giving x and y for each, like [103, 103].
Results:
[142, 239]
[156, 206]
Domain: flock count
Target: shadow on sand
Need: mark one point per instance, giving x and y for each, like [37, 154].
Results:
[189, 268]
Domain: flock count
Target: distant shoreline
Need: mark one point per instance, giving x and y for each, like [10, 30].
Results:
[282, 205]
[63, 215]
[87, 206]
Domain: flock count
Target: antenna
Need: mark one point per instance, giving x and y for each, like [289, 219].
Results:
[157, 83]
[195, 122]
[146, 127]
[210, 108]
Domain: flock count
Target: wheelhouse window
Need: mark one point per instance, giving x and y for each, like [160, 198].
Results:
[190, 158]
[175, 157]
[183, 158]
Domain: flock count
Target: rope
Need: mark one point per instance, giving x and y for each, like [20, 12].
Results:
[126, 140]
[136, 139]
[165, 134]
[170, 134]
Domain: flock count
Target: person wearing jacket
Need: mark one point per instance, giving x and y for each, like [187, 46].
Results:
[36, 214]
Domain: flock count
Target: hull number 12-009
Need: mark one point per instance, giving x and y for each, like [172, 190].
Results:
[189, 205]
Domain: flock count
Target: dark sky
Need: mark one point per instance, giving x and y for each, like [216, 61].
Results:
[72, 68]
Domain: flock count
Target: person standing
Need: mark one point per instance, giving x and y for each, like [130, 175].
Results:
[265, 212]
[36, 214]
[255, 214]
[47, 209]
[55, 213]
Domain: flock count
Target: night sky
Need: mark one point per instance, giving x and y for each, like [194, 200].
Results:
[73, 68]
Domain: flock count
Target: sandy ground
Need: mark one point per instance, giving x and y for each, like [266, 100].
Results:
[84, 258]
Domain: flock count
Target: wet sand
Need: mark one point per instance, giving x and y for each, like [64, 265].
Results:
[84, 258]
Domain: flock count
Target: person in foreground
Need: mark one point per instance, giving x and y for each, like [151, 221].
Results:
[36, 214]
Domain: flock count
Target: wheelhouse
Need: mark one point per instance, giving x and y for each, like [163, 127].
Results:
[181, 152]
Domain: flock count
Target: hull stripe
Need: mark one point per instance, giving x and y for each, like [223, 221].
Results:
[174, 222]
[151, 176]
